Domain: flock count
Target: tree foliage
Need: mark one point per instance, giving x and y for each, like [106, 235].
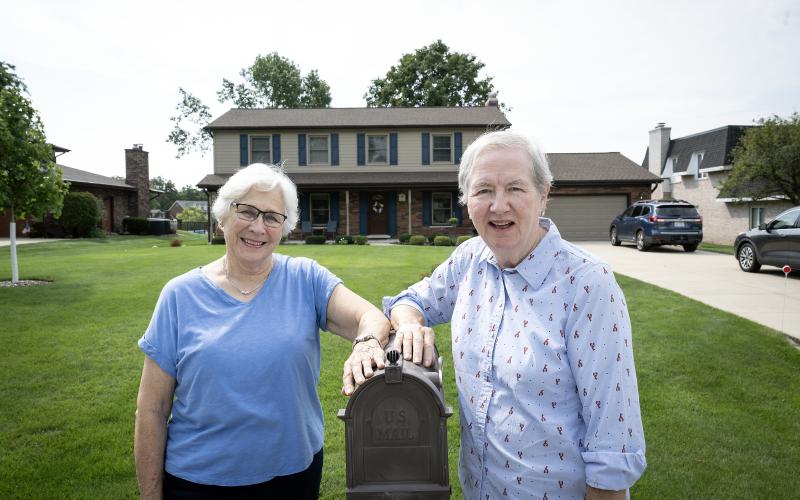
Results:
[432, 76]
[168, 196]
[192, 214]
[272, 81]
[30, 181]
[767, 160]
[80, 214]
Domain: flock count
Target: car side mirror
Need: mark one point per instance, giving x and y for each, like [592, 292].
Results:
[762, 226]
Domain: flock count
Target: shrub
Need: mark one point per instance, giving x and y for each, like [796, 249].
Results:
[175, 243]
[80, 214]
[218, 240]
[346, 240]
[360, 239]
[462, 239]
[404, 238]
[453, 221]
[417, 239]
[433, 236]
[136, 225]
[315, 239]
[442, 241]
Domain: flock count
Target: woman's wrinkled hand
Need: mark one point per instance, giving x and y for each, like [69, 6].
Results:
[365, 358]
[416, 343]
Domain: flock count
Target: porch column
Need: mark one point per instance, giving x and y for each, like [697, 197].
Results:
[409, 211]
[347, 212]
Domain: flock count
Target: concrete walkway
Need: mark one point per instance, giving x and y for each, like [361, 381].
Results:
[766, 297]
[4, 242]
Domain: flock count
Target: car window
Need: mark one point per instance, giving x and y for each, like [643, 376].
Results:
[628, 212]
[785, 220]
[645, 210]
[677, 211]
[637, 212]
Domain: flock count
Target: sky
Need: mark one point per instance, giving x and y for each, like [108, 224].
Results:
[580, 76]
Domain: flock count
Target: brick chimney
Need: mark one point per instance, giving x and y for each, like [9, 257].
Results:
[659, 146]
[137, 174]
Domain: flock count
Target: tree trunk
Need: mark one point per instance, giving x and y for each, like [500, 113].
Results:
[12, 236]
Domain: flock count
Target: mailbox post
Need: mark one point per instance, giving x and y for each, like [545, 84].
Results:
[396, 433]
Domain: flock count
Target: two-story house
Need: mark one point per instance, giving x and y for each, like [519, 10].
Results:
[693, 169]
[388, 171]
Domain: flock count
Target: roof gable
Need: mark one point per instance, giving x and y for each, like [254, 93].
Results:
[77, 176]
[477, 116]
[715, 144]
[596, 167]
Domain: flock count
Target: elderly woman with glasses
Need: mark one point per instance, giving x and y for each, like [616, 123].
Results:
[228, 404]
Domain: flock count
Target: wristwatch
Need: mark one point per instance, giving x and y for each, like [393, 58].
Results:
[364, 338]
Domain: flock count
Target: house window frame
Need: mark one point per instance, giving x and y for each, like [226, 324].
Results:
[757, 216]
[250, 150]
[367, 148]
[327, 138]
[434, 148]
[443, 195]
[312, 210]
[702, 175]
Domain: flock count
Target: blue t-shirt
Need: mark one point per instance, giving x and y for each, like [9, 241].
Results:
[246, 407]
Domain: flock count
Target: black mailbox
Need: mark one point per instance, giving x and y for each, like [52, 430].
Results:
[396, 433]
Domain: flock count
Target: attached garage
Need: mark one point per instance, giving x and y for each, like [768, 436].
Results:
[585, 217]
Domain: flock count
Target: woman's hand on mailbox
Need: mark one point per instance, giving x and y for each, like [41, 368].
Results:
[416, 342]
[366, 356]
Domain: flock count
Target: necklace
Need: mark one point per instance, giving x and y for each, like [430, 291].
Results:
[234, 285]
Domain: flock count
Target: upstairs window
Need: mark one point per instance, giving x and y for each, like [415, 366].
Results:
[259, 149]
[318, 149]
[377, 148]
[442, 148]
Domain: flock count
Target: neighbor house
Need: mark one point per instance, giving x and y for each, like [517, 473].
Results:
[180, 205]
[386, 171]
[693, 169]
[118, 198]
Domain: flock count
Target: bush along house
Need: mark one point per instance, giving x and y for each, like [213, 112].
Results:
[380, 172]
[384, 172]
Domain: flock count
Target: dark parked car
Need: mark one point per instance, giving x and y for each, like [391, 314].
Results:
[658, 222]
[776, 243]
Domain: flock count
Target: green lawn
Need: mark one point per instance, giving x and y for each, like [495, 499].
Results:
[720, 395]
[714, 247]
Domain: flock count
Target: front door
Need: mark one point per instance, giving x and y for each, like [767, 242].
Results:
[378, 210]
[108, 214]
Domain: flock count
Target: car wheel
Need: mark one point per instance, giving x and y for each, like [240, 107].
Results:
[641, 245]
[746, 255]
[614, 240]
[691, 247]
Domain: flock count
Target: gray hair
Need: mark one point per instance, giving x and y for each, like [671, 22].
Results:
[262, 178]
[503, 139]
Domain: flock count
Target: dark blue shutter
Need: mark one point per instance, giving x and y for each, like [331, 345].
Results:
[363, 207]
[456, 207]
[426, 148]
[305, 213]
[393, 148]
[301, 149]
[457, 148]
[360, 156]
[243, 156]
[392, 202]
[334, 149]
[334, 206]
[276, 148]
[426, 208]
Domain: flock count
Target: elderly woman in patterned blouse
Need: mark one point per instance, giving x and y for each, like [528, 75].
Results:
[541, 341]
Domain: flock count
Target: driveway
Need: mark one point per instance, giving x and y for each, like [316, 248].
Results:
[766, 297]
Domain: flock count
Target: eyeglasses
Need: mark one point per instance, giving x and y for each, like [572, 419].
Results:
[251, 213]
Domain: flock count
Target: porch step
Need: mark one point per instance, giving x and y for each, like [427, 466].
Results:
[378, 237]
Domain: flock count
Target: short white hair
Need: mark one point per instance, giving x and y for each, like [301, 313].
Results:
[260, 177]
[503, 139]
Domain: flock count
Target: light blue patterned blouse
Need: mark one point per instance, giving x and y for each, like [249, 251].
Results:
[543, 358]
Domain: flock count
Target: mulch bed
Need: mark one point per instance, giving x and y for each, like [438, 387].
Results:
[9, 284]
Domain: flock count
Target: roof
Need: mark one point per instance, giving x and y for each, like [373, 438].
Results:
[715, 144]
[184, 204]
[76, 176]
[476, 116]
[567, 168]
[597, 168]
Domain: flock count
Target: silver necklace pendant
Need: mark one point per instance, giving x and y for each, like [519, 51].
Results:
[234, 285]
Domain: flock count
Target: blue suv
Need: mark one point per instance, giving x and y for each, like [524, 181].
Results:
[658, 222]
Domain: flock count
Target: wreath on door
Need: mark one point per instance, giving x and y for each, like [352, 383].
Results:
[377, 207]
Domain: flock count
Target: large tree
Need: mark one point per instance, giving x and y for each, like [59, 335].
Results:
[31, 183]
[767, 160]
[168, 194]
[272, 81]
[432, 76]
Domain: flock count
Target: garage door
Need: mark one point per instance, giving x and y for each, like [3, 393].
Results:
[582, 218]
